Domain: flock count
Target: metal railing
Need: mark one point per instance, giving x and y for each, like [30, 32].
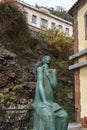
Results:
[16, 119]
[72, 113]
[22, 119]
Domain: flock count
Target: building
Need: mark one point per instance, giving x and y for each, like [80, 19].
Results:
[41, 18]
[79, 13]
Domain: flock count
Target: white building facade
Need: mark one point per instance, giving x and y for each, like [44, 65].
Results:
[41, 18]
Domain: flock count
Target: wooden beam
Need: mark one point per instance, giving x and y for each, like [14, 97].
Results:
[83, 52]
[78, 65]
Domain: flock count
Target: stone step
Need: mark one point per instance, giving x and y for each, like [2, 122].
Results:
[75, 126]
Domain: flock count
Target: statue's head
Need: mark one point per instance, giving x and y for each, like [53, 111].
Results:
[46, 59]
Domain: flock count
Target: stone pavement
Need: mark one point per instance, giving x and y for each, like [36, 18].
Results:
[75, 126]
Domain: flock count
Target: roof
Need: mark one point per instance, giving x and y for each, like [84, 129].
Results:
[75, 6]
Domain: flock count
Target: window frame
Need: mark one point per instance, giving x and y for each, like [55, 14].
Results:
[53, 25]
[25, 13]
[67, 32]
[60, 29]
[34, 19]
[42, 26]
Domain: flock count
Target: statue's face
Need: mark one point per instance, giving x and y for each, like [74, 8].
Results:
[46, 59]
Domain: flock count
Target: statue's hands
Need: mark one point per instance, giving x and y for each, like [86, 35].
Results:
[48, 72]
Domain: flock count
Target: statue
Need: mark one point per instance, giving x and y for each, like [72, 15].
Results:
[48, 114]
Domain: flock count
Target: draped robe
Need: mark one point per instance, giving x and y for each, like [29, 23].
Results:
[48, 114]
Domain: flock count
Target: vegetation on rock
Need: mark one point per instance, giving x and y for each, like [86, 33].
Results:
[6, 97]
[14, 30]
[59, 41]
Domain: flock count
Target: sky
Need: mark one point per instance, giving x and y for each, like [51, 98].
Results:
[66, 4]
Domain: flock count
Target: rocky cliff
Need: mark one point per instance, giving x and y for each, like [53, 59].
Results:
[16, 85]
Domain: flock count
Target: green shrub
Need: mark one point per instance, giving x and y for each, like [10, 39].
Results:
[6, 97]
[17, 87]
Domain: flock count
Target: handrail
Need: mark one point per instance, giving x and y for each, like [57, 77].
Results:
[15, 109]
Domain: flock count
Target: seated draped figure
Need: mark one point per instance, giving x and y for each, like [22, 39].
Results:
[48, 115]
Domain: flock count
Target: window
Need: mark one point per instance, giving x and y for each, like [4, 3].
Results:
[67, 31]
[52, 25]
[34, 19]
[25, 13]
[60, 28]
[85, 25]
[43, 23]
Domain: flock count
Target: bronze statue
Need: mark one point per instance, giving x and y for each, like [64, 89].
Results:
[48, 114]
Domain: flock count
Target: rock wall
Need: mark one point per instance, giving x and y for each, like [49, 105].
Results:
[16, 85]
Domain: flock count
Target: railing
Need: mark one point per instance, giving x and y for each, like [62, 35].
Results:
[22, 119]
[16, 119]
[72, 113]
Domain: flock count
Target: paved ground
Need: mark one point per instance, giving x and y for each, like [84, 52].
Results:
[75, 126]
